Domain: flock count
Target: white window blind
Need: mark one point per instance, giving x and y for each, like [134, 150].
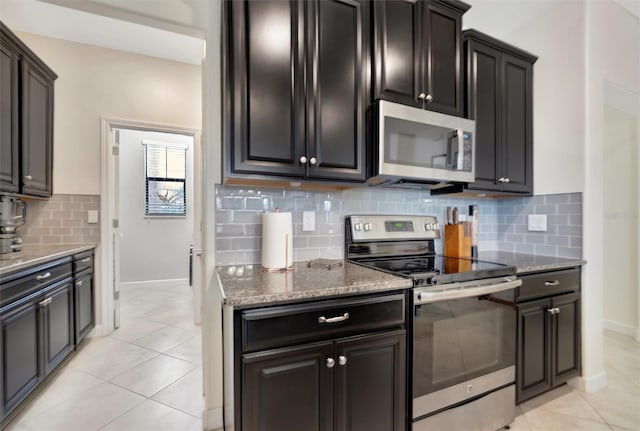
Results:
[165, 179]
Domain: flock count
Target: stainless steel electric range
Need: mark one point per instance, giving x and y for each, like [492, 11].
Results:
[462, 355]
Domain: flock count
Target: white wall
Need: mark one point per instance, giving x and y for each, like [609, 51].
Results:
[621, 142]
[95, 82]
[557, 38]
[612, 49]
[151, 248]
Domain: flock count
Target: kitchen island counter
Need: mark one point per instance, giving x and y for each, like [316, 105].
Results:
[248, 285]
[526, 263]
[35, 254]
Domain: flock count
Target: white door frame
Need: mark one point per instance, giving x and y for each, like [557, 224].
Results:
[107, 202]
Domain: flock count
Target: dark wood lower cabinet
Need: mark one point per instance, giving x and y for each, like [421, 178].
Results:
[57, 326]
[548, 338]
[370, 383]
[288, 389]
[44, 311]
[84, 306]
[19, 361]
[356, 383]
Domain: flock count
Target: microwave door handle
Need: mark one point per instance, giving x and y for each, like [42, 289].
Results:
[460, 165]
[452, 136]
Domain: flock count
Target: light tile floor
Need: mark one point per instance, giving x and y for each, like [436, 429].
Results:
[148, 376]
[617, 407]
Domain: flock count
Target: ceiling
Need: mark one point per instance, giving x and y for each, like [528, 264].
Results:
[169, 28]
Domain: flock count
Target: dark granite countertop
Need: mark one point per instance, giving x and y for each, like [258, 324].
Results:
[36, 254]
[248, 285]
[530, 262]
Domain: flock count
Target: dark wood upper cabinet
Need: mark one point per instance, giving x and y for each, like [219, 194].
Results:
[37, 131]
[26, 97]
[500, 98]
[296, 79]
[9, 143]
[418, 53]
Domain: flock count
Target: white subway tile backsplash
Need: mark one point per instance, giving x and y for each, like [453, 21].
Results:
[61, 220]
[502, 223]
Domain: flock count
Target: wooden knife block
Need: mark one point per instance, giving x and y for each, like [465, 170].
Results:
[456, 243]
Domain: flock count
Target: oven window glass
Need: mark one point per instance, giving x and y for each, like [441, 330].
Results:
[456, 341]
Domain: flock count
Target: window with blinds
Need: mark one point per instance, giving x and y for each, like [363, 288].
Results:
[165, 180]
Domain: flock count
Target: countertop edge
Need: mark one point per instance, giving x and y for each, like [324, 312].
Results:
[326, 293]
[525, 269]
[65, 250]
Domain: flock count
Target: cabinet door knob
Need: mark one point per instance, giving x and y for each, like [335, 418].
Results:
[46, 302]
[429, 98]
[422, 96]
[342, 360]
[501, 180]
[303, 159]
[330, 362]
[28, 177]
[552, 283]
[507, 180]
[313, 161]
[79, 283]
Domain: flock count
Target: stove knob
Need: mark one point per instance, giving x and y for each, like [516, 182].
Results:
[357, 227]
[367, 227]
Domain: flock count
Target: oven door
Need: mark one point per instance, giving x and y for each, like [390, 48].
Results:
[462, 348]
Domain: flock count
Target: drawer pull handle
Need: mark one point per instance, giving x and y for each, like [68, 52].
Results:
[342, 360]
[336, 319]
[86, 260]
[46, 302]
[330, 362]
[43, 276]
[552, 283]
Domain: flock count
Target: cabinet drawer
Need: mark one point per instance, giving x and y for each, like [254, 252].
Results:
[285, 325]
[20, 284]
[548, 283]
[83, 261]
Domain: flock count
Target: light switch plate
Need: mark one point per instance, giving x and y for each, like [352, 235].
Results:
[538, 222]
[92, 216]
[308, 221]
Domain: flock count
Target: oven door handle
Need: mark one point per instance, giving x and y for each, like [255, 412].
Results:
[467, 292]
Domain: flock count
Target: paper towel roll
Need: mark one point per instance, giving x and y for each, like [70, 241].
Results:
[277, 241]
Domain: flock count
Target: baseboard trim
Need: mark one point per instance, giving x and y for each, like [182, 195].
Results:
[589, 384]
[156, 283]
[621, 328]
[212, 419]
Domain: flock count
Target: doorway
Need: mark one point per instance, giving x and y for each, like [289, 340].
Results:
[151, 208]
[621, 209]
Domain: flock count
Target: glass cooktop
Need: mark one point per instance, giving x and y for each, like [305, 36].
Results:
[440, 269]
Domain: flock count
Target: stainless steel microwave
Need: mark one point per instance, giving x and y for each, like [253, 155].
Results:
[414, 145]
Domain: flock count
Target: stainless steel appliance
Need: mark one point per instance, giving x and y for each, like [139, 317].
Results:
[12, 216]
[419, 147]
[463, 327]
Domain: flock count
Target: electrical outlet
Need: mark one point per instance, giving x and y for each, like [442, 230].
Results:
[308, 221]
[538, 222]
[92, 216]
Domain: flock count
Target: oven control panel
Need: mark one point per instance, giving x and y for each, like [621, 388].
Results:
[393, 227]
